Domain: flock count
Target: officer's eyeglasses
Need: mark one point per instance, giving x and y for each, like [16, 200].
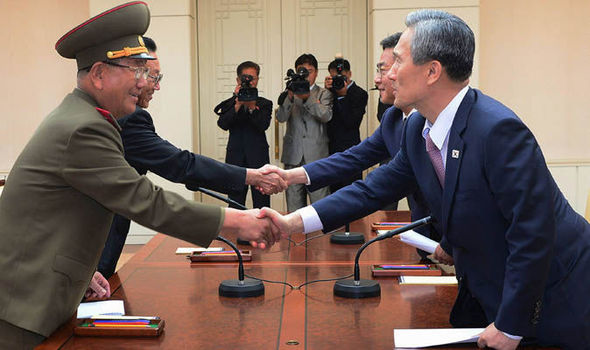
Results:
[382, 69]
[140, 72]
[156, 78]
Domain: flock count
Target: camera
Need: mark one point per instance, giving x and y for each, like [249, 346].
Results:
[247, 92]
[297, 82]
[339, 80]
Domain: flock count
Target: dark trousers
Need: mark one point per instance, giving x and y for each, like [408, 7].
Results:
[259, 200]
[16, 338]
[113, 246]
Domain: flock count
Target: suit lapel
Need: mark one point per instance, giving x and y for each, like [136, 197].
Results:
[455, 155]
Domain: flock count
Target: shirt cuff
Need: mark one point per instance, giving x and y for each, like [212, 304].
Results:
[310, 218]
[307, 177]
[514, 337]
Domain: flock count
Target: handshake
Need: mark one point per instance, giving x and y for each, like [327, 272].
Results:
[262, 227]
[271, 179]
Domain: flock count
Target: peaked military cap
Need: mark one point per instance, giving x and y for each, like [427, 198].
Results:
[112, 34]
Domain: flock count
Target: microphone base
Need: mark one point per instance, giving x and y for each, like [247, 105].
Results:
[365, 289]
[347, 238]
[248, 288]
[242, 242]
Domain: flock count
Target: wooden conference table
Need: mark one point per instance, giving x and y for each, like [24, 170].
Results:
[158, 282]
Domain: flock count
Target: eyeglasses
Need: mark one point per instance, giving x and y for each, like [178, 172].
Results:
[140, 72]
[382, 69]
[156, 78]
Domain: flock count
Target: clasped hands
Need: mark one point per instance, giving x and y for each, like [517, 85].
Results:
[271, 179]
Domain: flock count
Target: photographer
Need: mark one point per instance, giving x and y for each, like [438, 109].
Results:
[305, 107]
[350, 102]
[246, 116]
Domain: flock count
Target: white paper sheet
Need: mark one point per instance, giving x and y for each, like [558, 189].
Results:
[105, 307]
[419, 338]
[190, 250]
[415, 239]
[427, 280]
[419, 241]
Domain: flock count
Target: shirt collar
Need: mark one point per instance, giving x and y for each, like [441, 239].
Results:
[349, 85]
[442, 125]
[405, 116]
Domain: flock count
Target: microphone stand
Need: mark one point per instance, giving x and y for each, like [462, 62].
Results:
[347, 237]
[357, 288]
[228, 201]
[240, 288]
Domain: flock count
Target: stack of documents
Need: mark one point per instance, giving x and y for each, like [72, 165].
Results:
[106, 307]
[420, 338]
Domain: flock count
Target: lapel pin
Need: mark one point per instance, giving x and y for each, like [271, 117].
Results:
[455, 153]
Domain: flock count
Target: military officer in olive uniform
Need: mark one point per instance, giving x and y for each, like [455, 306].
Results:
[58, 201]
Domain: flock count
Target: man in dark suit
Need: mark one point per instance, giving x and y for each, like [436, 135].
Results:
[246, 116]
[521, 252]
[146, 151]
[348, 109]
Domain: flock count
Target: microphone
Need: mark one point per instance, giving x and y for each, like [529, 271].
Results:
[347, 237]
[228, 201]
[221, 198]
[242, 287]
[357, 288]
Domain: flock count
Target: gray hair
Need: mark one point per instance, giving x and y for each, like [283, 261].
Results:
[444, 37]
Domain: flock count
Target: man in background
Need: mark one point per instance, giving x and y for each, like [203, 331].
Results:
[348, 109]
[306, 139]
[246, 116]
[383, 67]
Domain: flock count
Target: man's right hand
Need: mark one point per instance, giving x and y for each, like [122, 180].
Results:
[286, 224]
[291, 176]
[250, 226]
[328, 82]
[267, 182]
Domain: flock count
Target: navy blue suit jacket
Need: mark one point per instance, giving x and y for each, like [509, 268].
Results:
[518, 245]
[146, 150]
[383, 144]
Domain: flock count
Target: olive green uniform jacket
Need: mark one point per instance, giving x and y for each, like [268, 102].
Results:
[57, 206]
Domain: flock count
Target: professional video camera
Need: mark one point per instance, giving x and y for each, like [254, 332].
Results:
[339, 80]
[297, 82]
[247, 92]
